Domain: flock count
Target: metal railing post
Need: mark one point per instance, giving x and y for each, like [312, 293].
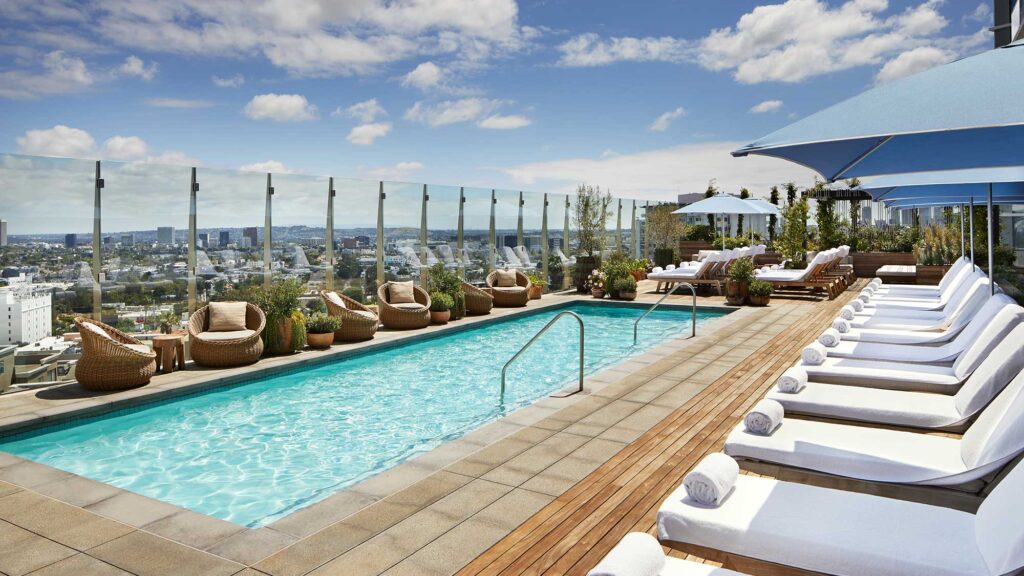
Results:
[97, 248]
[504, 368]
[693, 312]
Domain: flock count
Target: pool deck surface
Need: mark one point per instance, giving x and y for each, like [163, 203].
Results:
[547, 489]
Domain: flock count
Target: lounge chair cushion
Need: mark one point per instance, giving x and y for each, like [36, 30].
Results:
[226, 335]
[828, 531]
[226, 317]
[365, 314]
[874, 454]
[96, 329]
[680, 567]
[408, 306]
[139, 348]
[335, 299]
[871, 405]
[882, 374]
[401, 293]
[510, 289]
[505, 279]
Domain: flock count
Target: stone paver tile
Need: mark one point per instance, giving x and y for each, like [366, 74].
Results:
[251, 546]
[133, 509]
[80, 565]
[30, 474]
[316, 550]
[469, 499]
[634, 425]
[394, 479]
[249, 572]
[332, 509]
[400, 505]
[601, 419]
[486, 459]
[147, 554]
[8, 488]
[513, 509]
[194, 529]
[652, 389]
[24, 551]
[679, 395]
[563, 474]
[77, 490]
[450, 552]
[63, 523]
[521, 468]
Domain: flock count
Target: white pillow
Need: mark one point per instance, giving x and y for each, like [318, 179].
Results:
[336, 300]
[96, 329]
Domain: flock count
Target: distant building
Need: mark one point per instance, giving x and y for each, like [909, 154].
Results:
[25, 314]
[203, 240]
[128, 240]
[362, 240]
[244, 242]
[251, 233]
[165, 235]
[224, 238]
[3, 232]
[70, 240]
[108, 240]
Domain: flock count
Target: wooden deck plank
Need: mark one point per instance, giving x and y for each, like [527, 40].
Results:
[578, 528]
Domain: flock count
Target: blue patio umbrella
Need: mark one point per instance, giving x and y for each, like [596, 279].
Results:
[966, 114]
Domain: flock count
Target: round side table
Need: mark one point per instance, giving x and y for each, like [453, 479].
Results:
[170, 349]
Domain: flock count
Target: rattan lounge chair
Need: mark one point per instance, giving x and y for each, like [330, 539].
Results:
[478, 302]
[111, 359]
[404, 316]
[511, 296]
[226, 349]
[357, 321]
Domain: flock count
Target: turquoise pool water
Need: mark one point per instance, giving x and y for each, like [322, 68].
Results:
[255, 452]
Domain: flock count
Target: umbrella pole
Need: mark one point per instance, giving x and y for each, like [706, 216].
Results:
[991, 247]
[971, 220]
[962, 245]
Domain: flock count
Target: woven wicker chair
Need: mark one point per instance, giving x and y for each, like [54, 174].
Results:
[225, 353]
[512, 296]
[399, 318]
[357, 321]
[119, 362]
[478, 302]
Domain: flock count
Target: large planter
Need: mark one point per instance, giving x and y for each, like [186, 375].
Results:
[320, 340]
[865, 264]
[584, 266]
[736, 292]
[931, 275]
[638, 275]
[536, 292]
[664, 256]
[282, 344]
[759, 300]
[440, 317]
[627, 295]
[597, 292]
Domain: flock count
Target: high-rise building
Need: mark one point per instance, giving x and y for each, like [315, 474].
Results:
[70, 240]
[224, 238]
[128, 240]
[165, 235]
[251, 233]
[203, 240]
[25, 314]
[3, 232]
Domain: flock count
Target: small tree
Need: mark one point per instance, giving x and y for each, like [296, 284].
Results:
[853, 184]
[744, 193]
[794, 230]
[829, 227]
[773, 220]
[708, 193]
[664, 229]
[790, 193]
[591, 218]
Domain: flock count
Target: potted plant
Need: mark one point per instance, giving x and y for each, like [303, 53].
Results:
[591, 218]
[285, 331]
[440, 307]
[626, 288]
[736, 286]
[639, 268]
[663, 230]
[760, 292]
[556, 272]
[537, 284]
[443, 280]
[320, 329]
[596, 283]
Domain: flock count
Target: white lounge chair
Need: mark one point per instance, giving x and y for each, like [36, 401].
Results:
[639, 554]
[962, 265]
[914, 409]
[411, 258]
[566, 261]
[949, 297]
[524, 257]
[955, 322]
[897, 456]
[966, 301]
[851, 534]
[939, 378]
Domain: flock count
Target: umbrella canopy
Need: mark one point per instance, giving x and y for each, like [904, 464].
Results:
[961, 115]
[721, 204]
[765, 206]
[1006, 181]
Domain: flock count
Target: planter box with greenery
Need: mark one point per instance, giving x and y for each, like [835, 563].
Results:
[440, 307]
[741, 273]
[442, 280]
[759, 292]
[320, 329]
[590, 219]
[537, 284]
[625, 288]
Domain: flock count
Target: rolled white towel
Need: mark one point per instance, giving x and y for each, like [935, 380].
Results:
[830, 338]
[842, 326]
[857, 305]
[670, 267]
[847, 312]
[867, 293]
[764, 418]
[814, 354]
[792, 380]
[657, 269]
[865, 298]
[712, 479]
[637, 554]
[876, 282]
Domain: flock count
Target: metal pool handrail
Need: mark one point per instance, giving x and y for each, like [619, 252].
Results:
[693, 321]
[534, 339]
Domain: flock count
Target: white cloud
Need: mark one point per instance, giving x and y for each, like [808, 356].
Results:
[134, 66]
[451, 111]
[274, 166]
[912, 62]
[766, 106]
[125, 148]
[982, 14]
[399, 171]
[174, 158]
[590, 50]
[365, 111]
[178, 103]
[661, 123]
[59, 74]
[60, 140]
[229, 81]
[425, 76]
[365, 134]
[505, 122]
[663, 173]
[280, 108]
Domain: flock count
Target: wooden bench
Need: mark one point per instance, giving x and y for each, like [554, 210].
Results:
[897, 274]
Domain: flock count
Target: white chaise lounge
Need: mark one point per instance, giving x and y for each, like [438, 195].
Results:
[639, 554]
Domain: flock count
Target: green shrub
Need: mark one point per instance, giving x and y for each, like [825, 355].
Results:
[760, 288]
[441, 302]
[356, 293]
[741, 270]
[536, 278]
[321, 323]
[625, 284]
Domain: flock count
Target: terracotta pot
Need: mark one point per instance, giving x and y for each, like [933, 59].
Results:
[536, 292]
[320, 340]
[627, 295]
[284, 338]
[759, 300]
[736, 292]
[440, 317]
[597, 292]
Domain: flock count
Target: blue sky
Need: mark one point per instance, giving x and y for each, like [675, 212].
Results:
[538, 95]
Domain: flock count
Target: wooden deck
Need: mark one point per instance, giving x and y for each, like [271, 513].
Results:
[572, 533]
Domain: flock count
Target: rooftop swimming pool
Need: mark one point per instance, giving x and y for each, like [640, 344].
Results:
[254, 452]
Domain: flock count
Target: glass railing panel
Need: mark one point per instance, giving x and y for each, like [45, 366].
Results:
[231, 207]
[299, 229]
[479, 250]
[558, 252]
[443, 226]
[507, 227]
[46, 209]
[355, 237]
[404, 257]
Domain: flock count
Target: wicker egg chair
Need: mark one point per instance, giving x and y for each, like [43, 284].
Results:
[214, 351]
[112, 362]
[478, 302]
[512, 296]
[403, 316]
[357, 321]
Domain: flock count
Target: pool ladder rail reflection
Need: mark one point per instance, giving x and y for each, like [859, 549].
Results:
[504, 368]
